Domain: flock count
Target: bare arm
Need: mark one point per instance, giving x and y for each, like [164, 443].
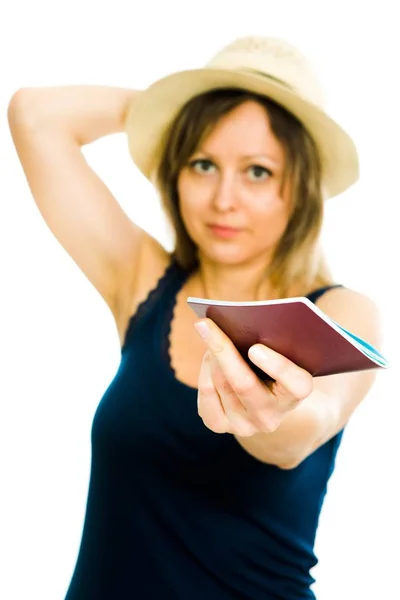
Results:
[48, 127]
[83, 112]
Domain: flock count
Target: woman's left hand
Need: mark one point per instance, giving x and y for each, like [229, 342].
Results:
[232, 399]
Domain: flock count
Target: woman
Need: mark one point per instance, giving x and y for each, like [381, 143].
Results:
[206, 482]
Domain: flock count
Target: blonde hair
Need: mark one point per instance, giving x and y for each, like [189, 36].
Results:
[297, 262]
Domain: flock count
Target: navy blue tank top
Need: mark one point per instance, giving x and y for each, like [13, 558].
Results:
[177, 512]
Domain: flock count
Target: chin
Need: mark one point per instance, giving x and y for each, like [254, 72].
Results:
[224, 256]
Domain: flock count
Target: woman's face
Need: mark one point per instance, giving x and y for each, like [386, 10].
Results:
[234, 180]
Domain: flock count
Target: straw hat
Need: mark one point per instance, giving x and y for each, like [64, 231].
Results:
[267, 66]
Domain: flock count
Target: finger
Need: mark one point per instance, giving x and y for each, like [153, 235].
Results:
[240, 419]
[292, 383]
[209, 404]
[249, 389]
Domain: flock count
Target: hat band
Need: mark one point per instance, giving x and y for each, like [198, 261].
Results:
[267, 76]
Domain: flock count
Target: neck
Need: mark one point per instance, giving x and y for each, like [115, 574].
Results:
[234, 283]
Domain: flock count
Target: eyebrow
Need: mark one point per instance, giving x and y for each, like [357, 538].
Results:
[260, 155]
[246, 156]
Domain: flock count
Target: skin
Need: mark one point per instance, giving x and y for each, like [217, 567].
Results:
[235, 179]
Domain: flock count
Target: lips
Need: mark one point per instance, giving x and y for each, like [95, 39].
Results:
[224, 231]
[224, 227]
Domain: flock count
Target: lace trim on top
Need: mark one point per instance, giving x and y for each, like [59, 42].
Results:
[147, 305]
[166, 326]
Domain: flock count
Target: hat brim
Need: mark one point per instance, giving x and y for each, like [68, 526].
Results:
[154, 109]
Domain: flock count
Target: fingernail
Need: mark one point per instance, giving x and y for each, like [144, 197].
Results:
[258, 353]
[203, 329]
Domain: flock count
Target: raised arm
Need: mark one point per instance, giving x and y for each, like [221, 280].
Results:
[49, 126]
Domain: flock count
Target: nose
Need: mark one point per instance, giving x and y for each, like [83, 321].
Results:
[225, 192]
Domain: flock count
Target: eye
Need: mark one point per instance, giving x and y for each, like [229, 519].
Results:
[259, 173]
[202, 165]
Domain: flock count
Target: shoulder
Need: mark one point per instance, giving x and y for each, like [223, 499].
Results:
[354, 311]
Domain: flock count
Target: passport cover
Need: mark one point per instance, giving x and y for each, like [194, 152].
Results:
[294, 327]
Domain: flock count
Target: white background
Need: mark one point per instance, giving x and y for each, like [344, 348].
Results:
[59, 346]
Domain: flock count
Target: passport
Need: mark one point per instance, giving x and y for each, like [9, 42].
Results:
[293, 327]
